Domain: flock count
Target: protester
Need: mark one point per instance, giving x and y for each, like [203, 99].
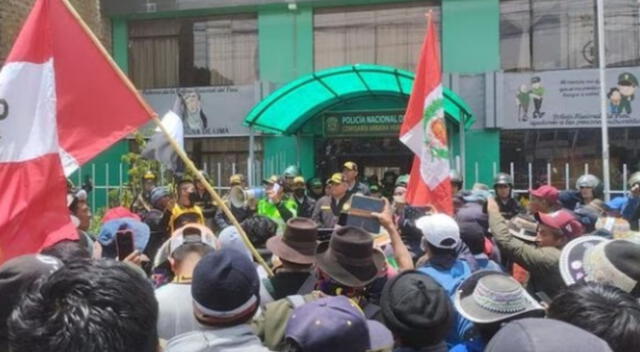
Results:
[605, 311]
[142, 200]
[185, 211]
[456, 182]
[304, 202]
[524, 227]
[375, 190]
[441, 238]
[81, 217]
[87, 306]
[490, 299]
[334, 324]
[473, 235]
[17, 276]
[259, 230]
[239, 212]
[158, 219]
[295, 250]
[389, 184]
[629, 205]
[316, 189]
[545, 335]
[541, 261]
[277, 206]
[615, 263]
[417, 311]
[347, 264]
[350, 173]
[588, 188]
[543, 199]
[203, 200]
[186, 247]
[503, 186]
[123, 225]
[225, 293]
[67, 251]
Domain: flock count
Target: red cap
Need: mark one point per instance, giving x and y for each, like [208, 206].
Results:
[562, 220]
[546, 192]
[119, 213]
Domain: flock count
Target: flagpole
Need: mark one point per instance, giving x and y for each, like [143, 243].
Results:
[603, 103]
[172, 141]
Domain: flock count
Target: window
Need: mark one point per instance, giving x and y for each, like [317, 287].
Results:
[387, 34]
[212, 51]
[550, 34]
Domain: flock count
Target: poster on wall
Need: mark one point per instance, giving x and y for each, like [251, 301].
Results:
[205, 111]
[569, 99]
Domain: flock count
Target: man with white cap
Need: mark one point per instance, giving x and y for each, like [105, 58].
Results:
[441, 238]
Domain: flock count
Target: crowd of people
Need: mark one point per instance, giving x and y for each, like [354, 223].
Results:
[172, 273]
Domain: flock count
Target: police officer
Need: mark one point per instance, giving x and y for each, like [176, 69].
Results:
[304, 202]
[588, 188]
[503, 186]
[350, 173]
[629, 205]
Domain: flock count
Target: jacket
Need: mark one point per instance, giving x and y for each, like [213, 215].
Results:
[305, 208]
[541, 262]
[327, 211]
[280, 213]
[510, 208]
[359, 187]
[628, 208]
[239, 338]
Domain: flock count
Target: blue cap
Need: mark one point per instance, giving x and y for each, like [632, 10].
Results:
[110, 228]
[336, 324]
[225, 286]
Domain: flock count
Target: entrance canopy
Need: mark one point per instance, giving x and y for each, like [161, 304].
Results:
[287, 109]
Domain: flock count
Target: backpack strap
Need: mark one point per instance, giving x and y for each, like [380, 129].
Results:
[296, 301]
[308, 285]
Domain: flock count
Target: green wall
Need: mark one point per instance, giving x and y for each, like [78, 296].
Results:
[285, 46]
[471, 44]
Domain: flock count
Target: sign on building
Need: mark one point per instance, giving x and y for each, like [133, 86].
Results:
[569, 99]
[205, 111]
[363, 124]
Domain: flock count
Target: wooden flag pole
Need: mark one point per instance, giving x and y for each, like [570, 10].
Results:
[213, 194]
[172, 141]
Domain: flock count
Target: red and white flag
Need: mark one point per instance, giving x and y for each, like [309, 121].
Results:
[424, 131]
[62, 101]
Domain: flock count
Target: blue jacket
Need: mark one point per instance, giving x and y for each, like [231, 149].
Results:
[627, 207]
[450, 279]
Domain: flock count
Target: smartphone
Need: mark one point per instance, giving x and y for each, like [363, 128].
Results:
[124, 243]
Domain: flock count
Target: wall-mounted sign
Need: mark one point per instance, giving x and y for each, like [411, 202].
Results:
[569, 99]
[205, 111]
[377, 123]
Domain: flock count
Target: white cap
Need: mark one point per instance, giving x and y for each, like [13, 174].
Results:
[440, 230]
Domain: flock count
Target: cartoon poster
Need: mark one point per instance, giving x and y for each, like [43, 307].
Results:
[568, 99]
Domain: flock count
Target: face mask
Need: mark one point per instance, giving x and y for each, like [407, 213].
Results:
[299, 192]
[399, 199]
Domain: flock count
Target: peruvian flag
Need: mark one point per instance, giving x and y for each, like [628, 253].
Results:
[62, 101]
[424, 131]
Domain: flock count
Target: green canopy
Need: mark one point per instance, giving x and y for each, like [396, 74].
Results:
[287, 109]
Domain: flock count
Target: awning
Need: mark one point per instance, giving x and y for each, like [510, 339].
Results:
[287, 109]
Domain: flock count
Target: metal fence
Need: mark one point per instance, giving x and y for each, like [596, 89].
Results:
[115, 176]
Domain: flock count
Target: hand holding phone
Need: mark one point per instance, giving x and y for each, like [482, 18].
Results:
[124, 243]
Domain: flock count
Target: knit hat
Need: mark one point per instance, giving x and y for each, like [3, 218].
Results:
[544, 335]
[336, 324]
[440, 230]
[157, 194]
[488, 297]
[415, 306]
[225, 287]
[615, 263]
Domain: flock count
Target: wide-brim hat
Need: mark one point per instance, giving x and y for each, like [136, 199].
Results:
[506, 300]
[298, 243]
[349, 257]
[572, 258]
